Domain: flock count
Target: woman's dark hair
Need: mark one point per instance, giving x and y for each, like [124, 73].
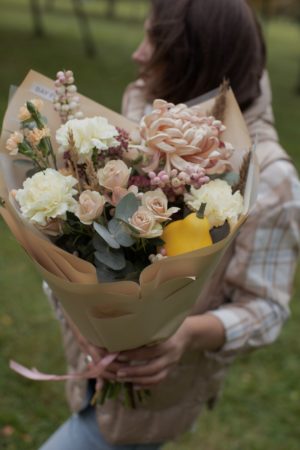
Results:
[199, 43]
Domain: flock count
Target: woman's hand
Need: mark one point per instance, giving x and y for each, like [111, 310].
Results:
[149, 366]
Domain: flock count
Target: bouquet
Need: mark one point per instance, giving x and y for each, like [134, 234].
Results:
[112, 213]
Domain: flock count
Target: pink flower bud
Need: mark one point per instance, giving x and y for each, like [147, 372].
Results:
[72, 88]
[73, 105]
[176, 182]
[60, 90]
[162, 173]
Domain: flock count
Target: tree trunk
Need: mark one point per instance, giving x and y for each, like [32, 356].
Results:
[86, 34]
[111, 9]
[37, 18]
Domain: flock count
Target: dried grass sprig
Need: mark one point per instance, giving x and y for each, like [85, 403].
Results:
[241, 184]
[73, 158]
[92, 182]
[218, 110]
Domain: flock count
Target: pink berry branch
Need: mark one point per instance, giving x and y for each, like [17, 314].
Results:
[66, 100]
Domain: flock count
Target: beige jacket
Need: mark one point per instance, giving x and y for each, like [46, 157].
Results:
[248, 293]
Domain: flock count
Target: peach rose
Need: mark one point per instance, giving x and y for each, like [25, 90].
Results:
[157, 203]
[90, 207]
[144, 222]
[114, 174]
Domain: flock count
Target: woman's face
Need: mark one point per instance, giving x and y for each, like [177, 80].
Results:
[143, 53]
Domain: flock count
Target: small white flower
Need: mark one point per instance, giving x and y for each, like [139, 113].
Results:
[47, 195]
[88, 134]
[221, 204]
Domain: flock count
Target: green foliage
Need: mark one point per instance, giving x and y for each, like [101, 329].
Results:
[120, 232]
[106, 235]
[127, 207]
[260, 408]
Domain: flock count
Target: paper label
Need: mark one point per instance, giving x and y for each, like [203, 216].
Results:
[42, 91]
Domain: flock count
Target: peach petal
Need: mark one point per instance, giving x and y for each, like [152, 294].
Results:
[161, 122]
[178, 162]
[158, 104]
[157, 138]
[164, 147]
[174, 132]
[178, 142]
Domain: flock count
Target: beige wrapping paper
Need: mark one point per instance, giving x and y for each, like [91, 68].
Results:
[125, 314]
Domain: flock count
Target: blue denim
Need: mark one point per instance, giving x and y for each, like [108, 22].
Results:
[81, 432]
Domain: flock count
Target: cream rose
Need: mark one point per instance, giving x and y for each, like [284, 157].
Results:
[157, 202]
[144, 222]
[114, 174]
[90, 206]
[47, 195]
[221, 204]
[118, 193]
[88, 134]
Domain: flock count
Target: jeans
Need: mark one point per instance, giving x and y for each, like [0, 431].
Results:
[81, 432]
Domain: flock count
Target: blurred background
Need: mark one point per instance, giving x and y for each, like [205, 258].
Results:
[260, 407]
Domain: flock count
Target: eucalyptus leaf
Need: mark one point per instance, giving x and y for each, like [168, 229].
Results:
[127, 207]
[99, 243]
[230, 177]
[121, 233]
[114, 259]
[105, 275]
[106, 235]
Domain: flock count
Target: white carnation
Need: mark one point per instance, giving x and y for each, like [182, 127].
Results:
[87, 134]
[221, 204]
[47, 195]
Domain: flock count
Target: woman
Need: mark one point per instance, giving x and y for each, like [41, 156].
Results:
[190, 46]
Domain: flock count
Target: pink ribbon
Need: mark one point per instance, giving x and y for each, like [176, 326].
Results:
[95, 370]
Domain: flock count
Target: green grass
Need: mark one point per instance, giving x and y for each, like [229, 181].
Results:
[260, 407]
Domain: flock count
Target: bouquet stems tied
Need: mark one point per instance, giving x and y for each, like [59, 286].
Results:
[125, 392]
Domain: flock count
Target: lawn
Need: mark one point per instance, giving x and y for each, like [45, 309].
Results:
[260, 407]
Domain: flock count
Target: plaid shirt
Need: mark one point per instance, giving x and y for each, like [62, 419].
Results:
[259, 277]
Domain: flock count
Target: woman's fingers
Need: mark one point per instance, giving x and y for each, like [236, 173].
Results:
[144, 370]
